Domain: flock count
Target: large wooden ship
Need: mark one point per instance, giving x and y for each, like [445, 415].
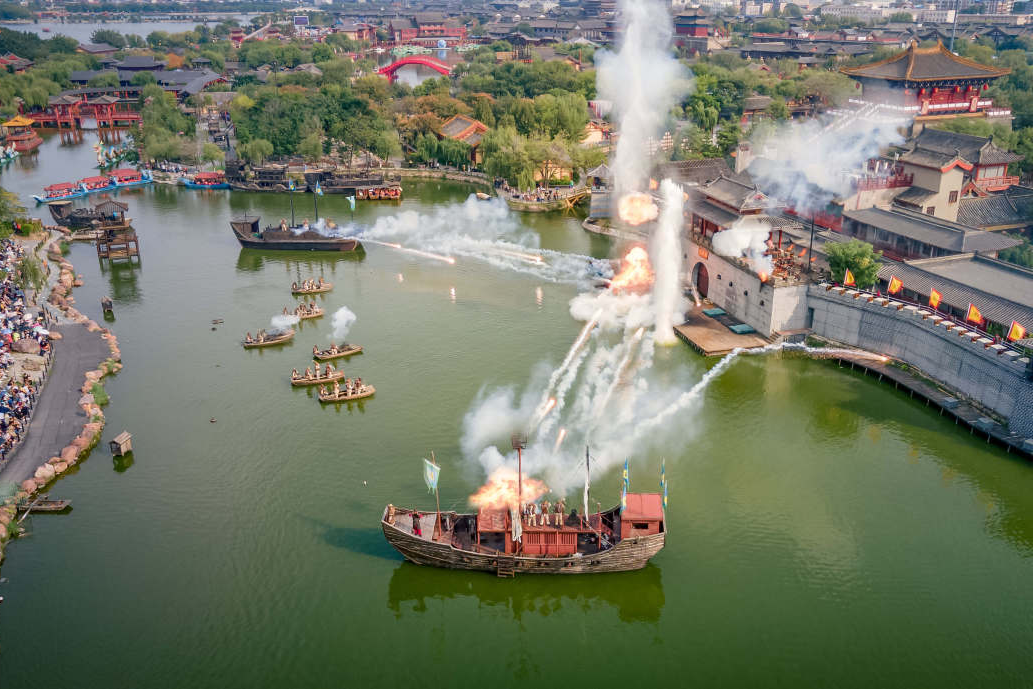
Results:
[271, 177]
[610, 541]
[246, 230]
[363, 185]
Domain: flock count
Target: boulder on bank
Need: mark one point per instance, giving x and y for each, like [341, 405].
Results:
[70, 453]
[29, 486]
[60, 468]
[45, 472]
[26, 346]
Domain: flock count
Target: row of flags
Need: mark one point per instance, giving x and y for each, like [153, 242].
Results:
[626, 484]
[1015, 332]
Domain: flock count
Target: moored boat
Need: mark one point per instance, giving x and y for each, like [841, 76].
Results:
[60, 192]
[269, 340]
[21, 135]
[334, 352]
[342, 395]
[91, 185]
[206, 180]
[302, 380]
[128, 177]
[246, 230]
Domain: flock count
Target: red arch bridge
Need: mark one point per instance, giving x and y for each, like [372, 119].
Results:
[437, 65]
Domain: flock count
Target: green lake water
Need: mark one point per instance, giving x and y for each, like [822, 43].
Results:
[823, 530]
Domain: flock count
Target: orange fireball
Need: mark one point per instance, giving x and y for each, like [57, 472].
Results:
[637, 208]
[636, 272]
[501, 490]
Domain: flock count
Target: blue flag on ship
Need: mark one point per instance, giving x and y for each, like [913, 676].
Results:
[319, 189]
[663, 480]
[430, 474]
[351, 202]
[627, 484]
[665, 495]
[624, 499]
[290, 185]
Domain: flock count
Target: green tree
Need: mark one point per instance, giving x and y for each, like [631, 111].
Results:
[112, 38]
[210, 153]
[778, 110]
[143, 78]
[104, 80]
[902, 17]
[255, 151]
[857, 256]
[311, 147]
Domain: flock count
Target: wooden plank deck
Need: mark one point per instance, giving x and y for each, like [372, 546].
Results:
[710, 337]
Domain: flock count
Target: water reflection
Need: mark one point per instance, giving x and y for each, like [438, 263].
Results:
[637, 596]
[123, 280]
[296, 263]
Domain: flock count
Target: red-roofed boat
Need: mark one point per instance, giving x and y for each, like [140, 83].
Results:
[128, 177]
[97, 183]
[610, 541]
[60, 192]
[206, 180]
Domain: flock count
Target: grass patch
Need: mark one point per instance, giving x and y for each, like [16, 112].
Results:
[64, 246]
[814, 342]
[100, 396]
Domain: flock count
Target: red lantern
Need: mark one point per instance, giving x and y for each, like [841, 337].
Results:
[986, 86]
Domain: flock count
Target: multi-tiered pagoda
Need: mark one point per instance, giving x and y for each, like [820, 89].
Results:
[930, 84]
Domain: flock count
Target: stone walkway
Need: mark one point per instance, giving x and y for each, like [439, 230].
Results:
[57, 418]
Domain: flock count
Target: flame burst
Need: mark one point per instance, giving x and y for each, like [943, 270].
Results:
[636, 272]
[637, 208]
[763, 276]
[501, 490]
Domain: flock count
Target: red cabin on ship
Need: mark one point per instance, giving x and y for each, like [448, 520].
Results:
[126, 176]
[94, 183]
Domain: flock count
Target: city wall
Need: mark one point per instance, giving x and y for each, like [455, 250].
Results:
[991, 375]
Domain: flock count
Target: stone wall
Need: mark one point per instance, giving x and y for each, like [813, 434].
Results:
[768, 307]
[990, 375]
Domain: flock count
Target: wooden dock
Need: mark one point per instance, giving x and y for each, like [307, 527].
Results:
[710, 337]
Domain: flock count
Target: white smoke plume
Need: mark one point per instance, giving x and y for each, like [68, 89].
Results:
[666, 255]
[486, 231]
[808, 163]
[342, 321]
[642, 81]
[281, 322]
[746, 238]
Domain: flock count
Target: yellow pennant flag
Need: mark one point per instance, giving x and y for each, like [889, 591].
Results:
[1016, 332]
[848, 278]
[934, 299]
[895, 285]
[973, 315]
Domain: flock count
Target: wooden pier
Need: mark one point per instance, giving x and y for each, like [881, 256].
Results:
[118, 243]
[710, 337]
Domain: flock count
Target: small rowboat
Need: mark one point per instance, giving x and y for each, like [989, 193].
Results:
[270, 340]
[342, 351]
[302, 381]
[482, 196]
[319, 289]
[305, 315]
[343, 396]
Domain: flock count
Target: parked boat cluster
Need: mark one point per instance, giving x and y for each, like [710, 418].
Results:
[121, 178]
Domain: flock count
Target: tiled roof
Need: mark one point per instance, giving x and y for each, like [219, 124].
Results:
[737, 193]
[979, 150]
[1003, 292]
[1010, 208]
[924, 64]
[942, 234]
[695, 172]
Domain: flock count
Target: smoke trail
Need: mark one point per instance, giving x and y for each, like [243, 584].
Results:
[342, 321]
[666, 255]
[483, 230]
[642, 81]
[281, 322]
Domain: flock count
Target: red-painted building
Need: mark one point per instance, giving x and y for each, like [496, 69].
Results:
[692, 23]
[929, 83]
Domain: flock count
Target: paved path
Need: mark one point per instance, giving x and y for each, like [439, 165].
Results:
[57, 418]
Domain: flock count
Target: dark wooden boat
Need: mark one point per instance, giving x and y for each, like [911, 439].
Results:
[362, 184]
[103, 213]
[608, 541]
[301, 382]
[245, 229]
[342, 351]
[319, 289]
[342, 396]
[271, 340]
[270, 177]
[44, 505]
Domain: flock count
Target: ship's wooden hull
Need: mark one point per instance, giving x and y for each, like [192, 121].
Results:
[322, 380]
[270, 342]
[318, 290]
[322, 356]
[310, 314]
[367, 391]
[629, 554]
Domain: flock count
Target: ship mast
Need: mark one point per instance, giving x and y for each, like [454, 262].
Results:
[519, 442]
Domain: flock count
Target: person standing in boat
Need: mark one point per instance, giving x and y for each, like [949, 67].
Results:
[249, 339]
[416, 530]
[545, 512]
[560, 509]
[315, 350]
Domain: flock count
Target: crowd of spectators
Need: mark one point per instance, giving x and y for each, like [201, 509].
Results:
[17, 322]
